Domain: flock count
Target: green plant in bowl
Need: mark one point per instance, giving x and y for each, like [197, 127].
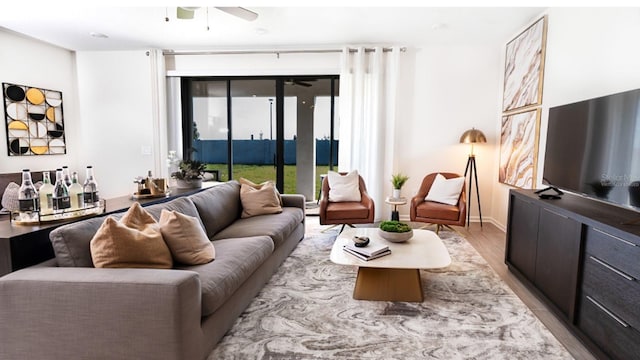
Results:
[394, 226]
[395, 231]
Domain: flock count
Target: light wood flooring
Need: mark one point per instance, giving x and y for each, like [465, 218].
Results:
[490, 242]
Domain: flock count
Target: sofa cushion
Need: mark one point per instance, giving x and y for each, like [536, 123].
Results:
[259, 201]
[133, 242]
[276, 226]
[182, 205]
[218, 206]
[70, 242]
[186, 238]
[236, 260]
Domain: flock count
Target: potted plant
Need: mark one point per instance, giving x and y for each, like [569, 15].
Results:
[189, 174]
[398, 180]
[395, 231]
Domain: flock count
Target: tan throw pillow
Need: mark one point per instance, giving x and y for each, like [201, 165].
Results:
[259, 201]
[259, 186]
[186, 238]
[344, 187]
[133, 242]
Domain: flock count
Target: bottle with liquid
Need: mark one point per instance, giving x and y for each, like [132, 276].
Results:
[28, 195]
[46, 194]
[61, 200]
[75, 193]
[90, 189]
[65, 176]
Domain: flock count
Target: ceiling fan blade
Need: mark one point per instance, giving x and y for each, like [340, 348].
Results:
[184, 13]
[239, 12]
[301, 83]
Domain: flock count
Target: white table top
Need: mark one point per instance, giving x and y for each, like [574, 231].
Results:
[395, 201]
[424, 250]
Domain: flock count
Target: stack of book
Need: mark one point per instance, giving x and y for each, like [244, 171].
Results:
[369, 252]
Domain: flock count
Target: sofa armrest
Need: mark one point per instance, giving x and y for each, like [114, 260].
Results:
[88, 313]
[293, 200]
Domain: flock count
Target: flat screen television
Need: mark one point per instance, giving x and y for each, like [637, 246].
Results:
[593, 148]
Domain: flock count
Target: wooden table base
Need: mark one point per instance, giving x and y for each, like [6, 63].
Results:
[388, 284]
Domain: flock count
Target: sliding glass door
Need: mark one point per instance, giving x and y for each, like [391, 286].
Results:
[266, 128]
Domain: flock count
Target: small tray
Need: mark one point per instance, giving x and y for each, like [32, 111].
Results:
[150, 196]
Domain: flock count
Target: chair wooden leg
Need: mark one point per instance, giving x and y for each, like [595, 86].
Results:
[329, 228]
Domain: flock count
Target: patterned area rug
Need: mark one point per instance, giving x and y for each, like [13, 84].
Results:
[306, 311]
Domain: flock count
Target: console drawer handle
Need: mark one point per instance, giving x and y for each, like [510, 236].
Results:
[601, 307]
[615, 237]
[612, 268]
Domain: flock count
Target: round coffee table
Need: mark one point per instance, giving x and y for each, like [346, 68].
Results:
[393, 277]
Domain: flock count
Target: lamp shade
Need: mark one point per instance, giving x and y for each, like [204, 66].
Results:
[473, 135]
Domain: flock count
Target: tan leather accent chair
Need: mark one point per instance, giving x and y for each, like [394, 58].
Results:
[434, 212]
[348, 212]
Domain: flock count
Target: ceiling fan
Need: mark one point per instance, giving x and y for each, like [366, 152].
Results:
[186, 12]
[299, 82]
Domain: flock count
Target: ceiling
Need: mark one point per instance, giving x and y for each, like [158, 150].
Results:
[130, 28]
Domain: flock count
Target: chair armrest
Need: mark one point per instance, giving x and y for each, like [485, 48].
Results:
[415, 201]
[293, 200]
[65, 313]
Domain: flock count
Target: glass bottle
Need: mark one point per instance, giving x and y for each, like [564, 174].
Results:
[65, 176]
[61, 200]
[90, 189]
[27, 195]
[75, 193]
[46, 194]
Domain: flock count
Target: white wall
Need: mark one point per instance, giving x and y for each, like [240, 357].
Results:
[446, 91]
[591, 52]
[117, 133]
[25, 61]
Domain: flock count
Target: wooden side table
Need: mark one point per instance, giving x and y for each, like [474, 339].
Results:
[395, 202]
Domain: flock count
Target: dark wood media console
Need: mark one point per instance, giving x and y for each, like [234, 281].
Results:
[582, 257]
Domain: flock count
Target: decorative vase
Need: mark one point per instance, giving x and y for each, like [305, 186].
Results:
[395, 236]
[396, 194]
[188, 183]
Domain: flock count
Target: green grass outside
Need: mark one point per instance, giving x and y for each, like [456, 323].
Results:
[260, 173]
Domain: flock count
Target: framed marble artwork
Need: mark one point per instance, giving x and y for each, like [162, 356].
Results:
[519, 149]
[34, 120]
[524, 68]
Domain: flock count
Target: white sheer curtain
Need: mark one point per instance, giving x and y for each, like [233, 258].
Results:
[368, 87]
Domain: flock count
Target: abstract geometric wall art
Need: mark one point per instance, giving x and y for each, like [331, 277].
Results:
[524, 68]
[34, 120]
[519, 149]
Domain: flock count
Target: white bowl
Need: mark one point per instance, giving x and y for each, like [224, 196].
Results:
[394, 236]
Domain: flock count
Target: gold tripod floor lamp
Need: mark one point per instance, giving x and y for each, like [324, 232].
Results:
[472, 136]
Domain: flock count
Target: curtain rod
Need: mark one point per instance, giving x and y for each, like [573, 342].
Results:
[275, 52]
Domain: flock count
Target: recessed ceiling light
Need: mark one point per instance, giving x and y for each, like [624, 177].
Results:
[262, 31]
[98, 35]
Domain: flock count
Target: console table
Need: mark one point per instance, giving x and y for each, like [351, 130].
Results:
[26, 245]
[581, 257]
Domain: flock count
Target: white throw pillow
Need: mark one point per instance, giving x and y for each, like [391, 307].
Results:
[344, 187]
[446, 191]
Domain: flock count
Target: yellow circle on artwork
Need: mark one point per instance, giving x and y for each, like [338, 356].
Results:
[51, 114]
[39, 150]
[35, 96]
[17, 125]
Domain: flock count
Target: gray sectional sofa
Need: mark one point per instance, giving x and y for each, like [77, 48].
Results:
[67, 309]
